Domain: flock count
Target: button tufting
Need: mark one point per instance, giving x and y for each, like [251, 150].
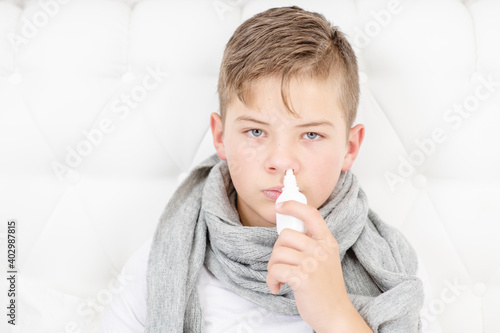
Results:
[128, 77]
[479, 289]
[15, 78]
[419, 181]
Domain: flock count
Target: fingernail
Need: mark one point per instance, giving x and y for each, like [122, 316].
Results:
[278, 204]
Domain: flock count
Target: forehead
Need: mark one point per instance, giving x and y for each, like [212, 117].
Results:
[310, 98]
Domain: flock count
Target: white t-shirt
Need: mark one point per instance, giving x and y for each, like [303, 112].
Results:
[223, 310]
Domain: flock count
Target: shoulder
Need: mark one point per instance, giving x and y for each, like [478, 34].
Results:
[126, 311]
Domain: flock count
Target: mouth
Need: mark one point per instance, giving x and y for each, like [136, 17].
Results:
[272, 193]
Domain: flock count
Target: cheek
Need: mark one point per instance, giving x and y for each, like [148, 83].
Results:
[323, 176]
[321, 190]
[241, 160]
[243, 153]
[327, 159]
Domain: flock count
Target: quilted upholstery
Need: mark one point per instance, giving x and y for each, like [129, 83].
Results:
[104, 106]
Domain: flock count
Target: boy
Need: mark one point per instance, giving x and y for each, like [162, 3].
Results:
[288, 91]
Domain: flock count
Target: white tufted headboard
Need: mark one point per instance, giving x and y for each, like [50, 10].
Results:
[104, 106]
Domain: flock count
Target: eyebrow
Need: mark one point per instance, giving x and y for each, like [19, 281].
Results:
[310, 124]
[316, 123]
[247, 118]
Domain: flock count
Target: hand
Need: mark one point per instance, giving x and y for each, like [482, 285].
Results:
[310, 265]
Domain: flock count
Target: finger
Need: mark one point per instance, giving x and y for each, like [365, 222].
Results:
[314, 222]
[273, 279]
[282, 273]
[294, 240]
[286, 255]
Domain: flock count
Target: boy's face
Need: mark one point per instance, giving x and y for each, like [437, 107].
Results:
[262, 140]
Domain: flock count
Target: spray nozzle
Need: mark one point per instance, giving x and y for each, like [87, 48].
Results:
[290, 181]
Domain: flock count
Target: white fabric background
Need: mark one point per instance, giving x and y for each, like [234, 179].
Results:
[116, 96]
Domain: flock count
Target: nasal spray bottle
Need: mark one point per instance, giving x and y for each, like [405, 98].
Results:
[290, 192]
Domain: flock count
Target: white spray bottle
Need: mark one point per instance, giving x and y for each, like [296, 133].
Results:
[290, 192]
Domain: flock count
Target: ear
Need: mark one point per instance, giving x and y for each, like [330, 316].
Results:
[218, 135]
[356, 136]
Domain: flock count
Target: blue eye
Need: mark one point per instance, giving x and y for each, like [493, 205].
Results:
[311, 135]
[256, 132]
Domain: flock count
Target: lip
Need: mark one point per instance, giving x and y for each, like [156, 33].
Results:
[273, 193]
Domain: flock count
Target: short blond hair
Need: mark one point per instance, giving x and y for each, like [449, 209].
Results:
[288, 42]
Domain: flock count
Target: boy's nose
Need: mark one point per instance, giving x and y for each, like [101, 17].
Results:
[282, 158]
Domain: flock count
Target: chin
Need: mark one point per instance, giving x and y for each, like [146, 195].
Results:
[266, 219]
[271, 219]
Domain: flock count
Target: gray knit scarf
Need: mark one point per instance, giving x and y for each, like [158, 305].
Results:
[200, 225]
